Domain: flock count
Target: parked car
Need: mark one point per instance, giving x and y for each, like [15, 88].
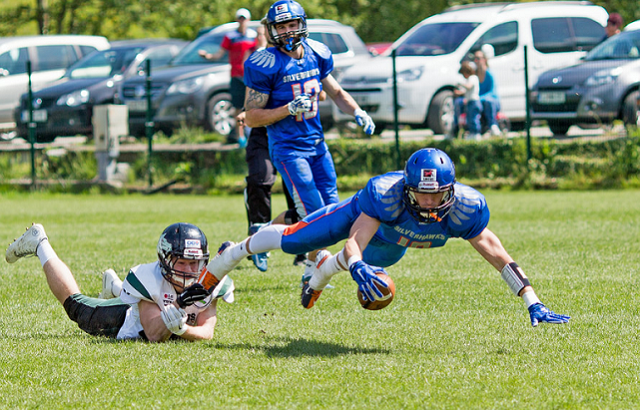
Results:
[50, 56]
[193, 91]
[430, 53]
[603, 87]
[635, 25]
[66, 106]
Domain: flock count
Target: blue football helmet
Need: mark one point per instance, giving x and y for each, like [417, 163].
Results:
[280, 12]
[430, 171]
[182, 241]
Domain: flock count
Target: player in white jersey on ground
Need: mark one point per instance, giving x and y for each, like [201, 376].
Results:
[155, 301]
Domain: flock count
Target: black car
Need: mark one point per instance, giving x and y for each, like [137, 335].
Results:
[601, 88]
[65, 106]
[193, 91]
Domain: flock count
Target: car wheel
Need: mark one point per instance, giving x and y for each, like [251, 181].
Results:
[441, 112]
[631, 110]
[220, 114]
[558, 128]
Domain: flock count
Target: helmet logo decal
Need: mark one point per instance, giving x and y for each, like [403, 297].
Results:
[192, 247]
[164, 245]
[428, 180]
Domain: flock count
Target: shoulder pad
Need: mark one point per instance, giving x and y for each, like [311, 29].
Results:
[389, 189]
[263, 58]
[468, 201]
[320, 48]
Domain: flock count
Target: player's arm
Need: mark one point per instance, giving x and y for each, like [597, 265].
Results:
[212, 56]
[152, 323]
[360, 234]
[257, 115]
[361, 272]
[347, 104]
[205, 324]
[489, 246]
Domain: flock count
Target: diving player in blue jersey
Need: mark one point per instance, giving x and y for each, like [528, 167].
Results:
[283, 84]
[421, 207]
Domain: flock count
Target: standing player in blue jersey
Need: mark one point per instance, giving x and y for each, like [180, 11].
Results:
[421, 207]
[283, 84]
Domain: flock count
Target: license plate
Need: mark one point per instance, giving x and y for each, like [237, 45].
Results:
[137, 105]
[551, 97]
[38, 116]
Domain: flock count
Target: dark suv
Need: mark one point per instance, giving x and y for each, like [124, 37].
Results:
[195, 92]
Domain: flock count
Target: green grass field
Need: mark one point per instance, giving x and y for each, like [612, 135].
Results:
[454, 337]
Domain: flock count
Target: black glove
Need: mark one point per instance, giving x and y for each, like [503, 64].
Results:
[192, 294]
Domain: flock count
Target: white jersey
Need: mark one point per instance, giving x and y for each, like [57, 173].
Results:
[472, 88]
[145, 282]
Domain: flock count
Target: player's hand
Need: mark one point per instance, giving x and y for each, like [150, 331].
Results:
[300, 104]
[365, 276]
[539, 313]
[192, 294]
[363, 120]
[175, 319]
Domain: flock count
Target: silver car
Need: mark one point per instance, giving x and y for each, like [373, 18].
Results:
[601, 88]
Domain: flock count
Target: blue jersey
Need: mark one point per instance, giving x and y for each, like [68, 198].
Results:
[382, 199]
[272, 72]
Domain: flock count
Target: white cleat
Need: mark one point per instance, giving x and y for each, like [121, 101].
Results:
[27, 244]
[109, 277]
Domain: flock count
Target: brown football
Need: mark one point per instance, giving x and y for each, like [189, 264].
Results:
[388, 293]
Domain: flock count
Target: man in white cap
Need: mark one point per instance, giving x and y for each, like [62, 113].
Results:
[239, 44]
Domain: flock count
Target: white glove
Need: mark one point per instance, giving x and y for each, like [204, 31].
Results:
[174, 319]
[363, 120]
[300, 104]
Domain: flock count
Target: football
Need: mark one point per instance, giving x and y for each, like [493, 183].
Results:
[388, 293]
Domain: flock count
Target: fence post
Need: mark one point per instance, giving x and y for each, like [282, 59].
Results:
[526, 102]
[395, 110]
[149, 124]
[32, 128]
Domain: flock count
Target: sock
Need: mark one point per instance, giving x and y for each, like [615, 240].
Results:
[267, 239]
[45, 252]
[116, 287]
[329, 267]
[239, 250]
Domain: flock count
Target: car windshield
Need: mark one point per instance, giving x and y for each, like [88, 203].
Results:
[209, 43]
[104, 64]
[620, 46]
[435, 39]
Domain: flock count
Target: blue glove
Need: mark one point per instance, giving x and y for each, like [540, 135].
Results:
[363, 120]
[539, 313]
[365, 276]
[300, 104]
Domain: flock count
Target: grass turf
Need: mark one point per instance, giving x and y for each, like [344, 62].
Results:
[454, 337]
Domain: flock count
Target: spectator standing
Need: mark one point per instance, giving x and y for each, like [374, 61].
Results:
[239, 44]
[614, 25]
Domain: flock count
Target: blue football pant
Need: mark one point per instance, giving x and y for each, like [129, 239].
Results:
[311, 181]
[330, 225]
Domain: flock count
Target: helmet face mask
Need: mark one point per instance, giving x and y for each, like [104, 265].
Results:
[429, 171]
[182, 241]
[284, 11]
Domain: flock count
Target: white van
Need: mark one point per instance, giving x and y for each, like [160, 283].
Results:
[430, 53]
[50, 56]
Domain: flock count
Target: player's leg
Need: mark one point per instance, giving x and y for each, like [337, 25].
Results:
[35, 242]
[237, 90]
[325, 178]
[298, 177]
[291, 217]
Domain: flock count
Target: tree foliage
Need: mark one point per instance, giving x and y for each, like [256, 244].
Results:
[374, 20]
